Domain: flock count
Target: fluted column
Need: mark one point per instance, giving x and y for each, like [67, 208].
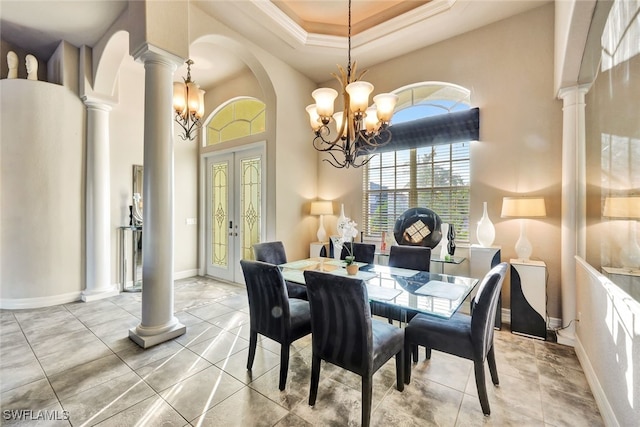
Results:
[573, 203]
[97, 204]
[158, 323]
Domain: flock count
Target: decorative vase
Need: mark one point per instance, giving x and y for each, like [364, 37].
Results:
[451, 240]
[486, 232]
[342, 219]
[352, 269]
[444, 243]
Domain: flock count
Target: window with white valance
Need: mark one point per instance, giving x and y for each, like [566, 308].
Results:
[427, 162]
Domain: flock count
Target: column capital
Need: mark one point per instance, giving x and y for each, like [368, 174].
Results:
[96, 103]
[149, 53]
[573, 94]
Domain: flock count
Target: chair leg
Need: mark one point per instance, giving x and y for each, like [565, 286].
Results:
[400, 370]
[414, 353]
[491, 361]
[407, 362]
[253, 341]
[284, 365]
[478, 367]
[427, 353]
[315, 379]
[367, 393]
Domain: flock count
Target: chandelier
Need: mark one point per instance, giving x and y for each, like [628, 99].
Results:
[188, 103]
[360, 129]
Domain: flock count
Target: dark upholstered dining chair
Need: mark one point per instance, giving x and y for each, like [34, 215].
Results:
[344, 334]
[274, 253]
[272, 313]
[363, 252]
[469, 337]
[410, 257]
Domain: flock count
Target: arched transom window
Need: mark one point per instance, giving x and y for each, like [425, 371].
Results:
[238, 118]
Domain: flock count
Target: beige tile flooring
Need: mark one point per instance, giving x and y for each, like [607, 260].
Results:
[77, 360]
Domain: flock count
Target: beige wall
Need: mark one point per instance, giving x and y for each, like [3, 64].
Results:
[508, 66]
[291, 163]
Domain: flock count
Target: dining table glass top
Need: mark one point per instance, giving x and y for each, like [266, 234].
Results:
[411, 290]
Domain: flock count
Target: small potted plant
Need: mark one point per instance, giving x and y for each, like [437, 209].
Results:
[347, 233]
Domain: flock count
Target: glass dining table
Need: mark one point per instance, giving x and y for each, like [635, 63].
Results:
[397, 288]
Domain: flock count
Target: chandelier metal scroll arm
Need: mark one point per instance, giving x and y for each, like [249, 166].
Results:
[189, 126]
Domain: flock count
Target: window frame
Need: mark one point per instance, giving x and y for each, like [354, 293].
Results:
[459, 153]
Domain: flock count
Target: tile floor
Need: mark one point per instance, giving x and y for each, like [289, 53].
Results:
[76, 361]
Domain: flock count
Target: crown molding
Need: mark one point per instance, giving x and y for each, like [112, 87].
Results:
[293, 32]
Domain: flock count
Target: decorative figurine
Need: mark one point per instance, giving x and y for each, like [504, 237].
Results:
[12, 62]
[32, 67]
[451, 242]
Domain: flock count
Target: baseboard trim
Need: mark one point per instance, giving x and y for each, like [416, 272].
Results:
[95, 295]
[599, 395]
[185, 274]
[39, 302]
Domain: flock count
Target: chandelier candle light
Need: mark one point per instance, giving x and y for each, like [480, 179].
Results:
[188, 103]
[523, 208]
[360, 129]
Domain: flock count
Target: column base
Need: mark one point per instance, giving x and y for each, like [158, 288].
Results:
[146, 341]
[566, 337]
[98, 294]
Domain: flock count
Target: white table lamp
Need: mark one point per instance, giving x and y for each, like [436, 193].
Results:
[523, 208]
[322, 208]
[626, 208]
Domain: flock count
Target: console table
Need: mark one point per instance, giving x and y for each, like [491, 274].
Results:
[135, 285]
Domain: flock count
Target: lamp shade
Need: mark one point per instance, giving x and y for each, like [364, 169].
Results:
[324, 100]
[627, 207]
[321, 208]
[523, 207]
[385, 103]
[359, 95]
[314, 118]
[179, 97]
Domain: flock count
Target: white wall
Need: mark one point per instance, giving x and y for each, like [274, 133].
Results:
[608, 345]
[42, 194]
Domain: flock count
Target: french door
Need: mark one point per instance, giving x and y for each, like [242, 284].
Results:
[235, 210]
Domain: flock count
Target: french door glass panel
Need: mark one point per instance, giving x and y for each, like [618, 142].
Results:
[235, 211]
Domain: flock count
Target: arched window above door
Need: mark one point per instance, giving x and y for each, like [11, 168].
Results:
[238, 118]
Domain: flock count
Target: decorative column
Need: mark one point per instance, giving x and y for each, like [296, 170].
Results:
[158, 323]
[573, 203]
[97, 204]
